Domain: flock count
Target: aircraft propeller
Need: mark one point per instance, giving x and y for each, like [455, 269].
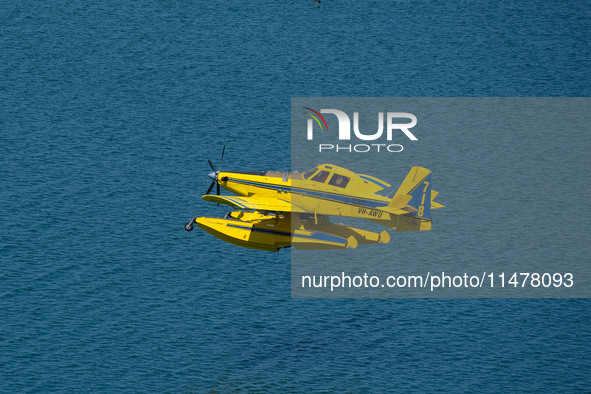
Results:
[214, 175]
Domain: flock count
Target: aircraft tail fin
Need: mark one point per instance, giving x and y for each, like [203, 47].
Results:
[412, 203]
[416, 189]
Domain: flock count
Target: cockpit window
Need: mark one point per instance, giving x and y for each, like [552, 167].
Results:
[308, 174]
[322, 176]
[339, 180]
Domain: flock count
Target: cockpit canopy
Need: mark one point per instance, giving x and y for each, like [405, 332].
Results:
[337, 177]
[328, 175]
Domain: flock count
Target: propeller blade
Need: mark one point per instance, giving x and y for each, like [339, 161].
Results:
[211, 165]
[211, 187]
[222, 159]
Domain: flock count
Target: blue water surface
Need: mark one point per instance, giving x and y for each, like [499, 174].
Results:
[108, 113]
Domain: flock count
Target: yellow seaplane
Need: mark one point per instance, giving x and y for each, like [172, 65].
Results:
[281, 209]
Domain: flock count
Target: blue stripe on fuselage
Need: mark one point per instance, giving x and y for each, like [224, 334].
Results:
[380, 184]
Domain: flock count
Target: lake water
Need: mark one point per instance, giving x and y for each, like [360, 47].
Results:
[108, 114]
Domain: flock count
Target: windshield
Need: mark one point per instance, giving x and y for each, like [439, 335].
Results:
[308, 174]
[321, 177]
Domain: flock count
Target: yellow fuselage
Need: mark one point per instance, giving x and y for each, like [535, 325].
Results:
[311, 196]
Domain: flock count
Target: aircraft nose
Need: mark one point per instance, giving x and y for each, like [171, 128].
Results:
[212, 175]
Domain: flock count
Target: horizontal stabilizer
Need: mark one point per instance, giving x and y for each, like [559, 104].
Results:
[435, 205]
[399, 201]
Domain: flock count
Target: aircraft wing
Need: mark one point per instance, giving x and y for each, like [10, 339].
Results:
[274, 204]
